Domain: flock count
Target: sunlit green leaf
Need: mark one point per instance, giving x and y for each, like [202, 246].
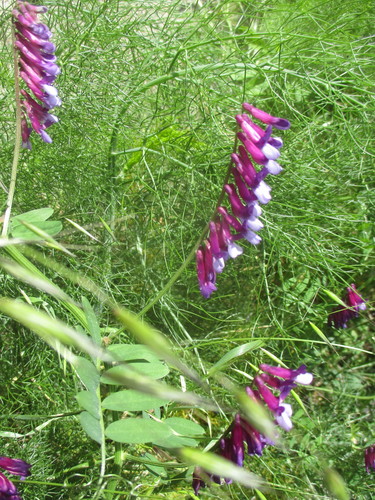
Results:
[88, 400]
[40, 214]
[24, 231]
[87, 372]
[137, 431]
[334, 297]
[319, 332]
[126, 352]
[154, 370]
[130, 400]
[146, 334]
[184, 426]
[49, 328]
[91, 425]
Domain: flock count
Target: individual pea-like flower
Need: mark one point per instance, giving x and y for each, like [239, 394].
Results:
[370, 458]
[242, 436]
[8, 490]
[38, 70]
[245, 195]
[354, 303]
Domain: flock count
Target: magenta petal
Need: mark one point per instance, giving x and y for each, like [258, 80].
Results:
[264, 117]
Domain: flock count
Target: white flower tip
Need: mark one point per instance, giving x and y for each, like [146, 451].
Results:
[218, 264]
[254, 224]
[304, 378]
[257, 211]
[252, 238]
[273, 167]
[50, 90]
[262, 192]
[270, 152]
[234, 250]
[288, 410]
[284, 419]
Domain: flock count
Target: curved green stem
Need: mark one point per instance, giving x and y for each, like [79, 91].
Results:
[17, 145]
[191, 254]
[113, 144]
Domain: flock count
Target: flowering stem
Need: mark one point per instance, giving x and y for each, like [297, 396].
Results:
[191, 254]
[17, 145]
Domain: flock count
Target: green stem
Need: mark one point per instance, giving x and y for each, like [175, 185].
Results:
[113, 144]
[191, 254]
[17, 145]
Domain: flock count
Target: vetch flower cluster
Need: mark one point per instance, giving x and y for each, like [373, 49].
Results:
[370, 458]
[243, 436]
[38, 69]
[245, 195]
[355, 303]
[8, 491]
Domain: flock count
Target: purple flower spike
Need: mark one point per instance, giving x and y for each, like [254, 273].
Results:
[355, 303]
[25, 133]
[264, 117]
[245, 194]
[258, 136]
[370, 458]
[257, 155]
[238, 209]
[37, 69]
[268, 397]
[242, 433]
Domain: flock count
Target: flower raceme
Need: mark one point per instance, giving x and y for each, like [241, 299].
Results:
[242, 436]
[38, 70]
[355, 303]
[8, 491]
[245, 195]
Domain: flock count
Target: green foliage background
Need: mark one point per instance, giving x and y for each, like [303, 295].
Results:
[150, 90]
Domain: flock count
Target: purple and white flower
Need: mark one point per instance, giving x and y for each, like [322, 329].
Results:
[244, 195]
[354, 303]
[38, 69]
[241, 435]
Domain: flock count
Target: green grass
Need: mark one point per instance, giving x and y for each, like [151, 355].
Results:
[150, 90]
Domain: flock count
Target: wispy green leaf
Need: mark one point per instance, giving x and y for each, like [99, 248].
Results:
[336, 484]
[50, 328]
[219, 466]
[231, 355]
